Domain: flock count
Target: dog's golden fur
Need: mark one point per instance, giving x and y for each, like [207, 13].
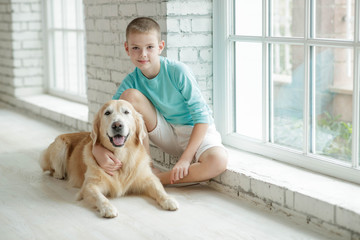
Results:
[119, 128]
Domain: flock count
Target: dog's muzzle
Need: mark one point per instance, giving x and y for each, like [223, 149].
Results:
[119, 137]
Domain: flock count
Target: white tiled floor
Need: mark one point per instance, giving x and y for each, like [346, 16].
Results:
[36, 206]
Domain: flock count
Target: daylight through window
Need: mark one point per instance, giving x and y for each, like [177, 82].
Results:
[65, 40]
[287, 81]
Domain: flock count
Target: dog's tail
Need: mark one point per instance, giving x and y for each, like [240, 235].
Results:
[53, 159]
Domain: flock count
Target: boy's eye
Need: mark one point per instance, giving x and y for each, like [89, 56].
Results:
[135, 48]
[150, 47]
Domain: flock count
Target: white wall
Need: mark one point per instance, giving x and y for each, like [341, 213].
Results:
[21, 48]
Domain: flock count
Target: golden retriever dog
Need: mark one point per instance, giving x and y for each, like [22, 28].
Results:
[119, 128]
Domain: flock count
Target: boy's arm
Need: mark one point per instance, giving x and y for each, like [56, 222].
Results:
[189, 88]
[181, 168]
[106, 159]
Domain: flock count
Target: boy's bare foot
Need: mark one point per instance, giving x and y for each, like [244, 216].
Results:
[178, 185]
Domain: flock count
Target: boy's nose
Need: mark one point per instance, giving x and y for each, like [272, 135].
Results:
[143, 52]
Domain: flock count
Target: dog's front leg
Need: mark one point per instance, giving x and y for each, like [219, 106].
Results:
[91, 193]
[154, 189]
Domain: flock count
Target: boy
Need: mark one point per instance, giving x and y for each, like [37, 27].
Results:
[175, 114]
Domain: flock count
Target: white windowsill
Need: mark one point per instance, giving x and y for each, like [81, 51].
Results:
[68, 113]
[69, 108]
[324, 203]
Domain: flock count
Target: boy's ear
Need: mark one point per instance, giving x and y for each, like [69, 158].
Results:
[161, 46]
[126, 48]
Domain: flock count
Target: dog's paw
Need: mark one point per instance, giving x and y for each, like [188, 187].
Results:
[79, 196]
[108, 211]
[169, 204]
[58, 176]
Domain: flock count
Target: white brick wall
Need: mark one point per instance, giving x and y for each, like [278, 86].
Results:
[21, 48]
[189, 39]
[6, 61]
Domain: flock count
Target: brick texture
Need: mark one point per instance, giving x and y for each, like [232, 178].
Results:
[21, 48]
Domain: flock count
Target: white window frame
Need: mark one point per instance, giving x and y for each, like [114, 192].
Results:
[224, 97]
[79, 96]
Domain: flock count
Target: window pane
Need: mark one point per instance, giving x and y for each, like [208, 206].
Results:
[335, 19]
[57, 13]
[58, 60]
[248, 17]
[287, 74]
[70, 21]
[248, 72]
[80, 14]
[287, 18]
[66, 49]
[72, 63]
[334, 89]
[82, 79]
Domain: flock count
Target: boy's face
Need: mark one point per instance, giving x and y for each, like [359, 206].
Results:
[144, 50]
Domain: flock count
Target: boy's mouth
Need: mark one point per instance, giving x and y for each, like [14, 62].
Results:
[143, 61]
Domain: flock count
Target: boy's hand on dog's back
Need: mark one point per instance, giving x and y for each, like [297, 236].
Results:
[106, 159]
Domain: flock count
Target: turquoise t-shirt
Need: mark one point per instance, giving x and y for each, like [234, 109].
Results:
[174, 92]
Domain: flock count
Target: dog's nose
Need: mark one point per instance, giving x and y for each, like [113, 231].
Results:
[117, 126]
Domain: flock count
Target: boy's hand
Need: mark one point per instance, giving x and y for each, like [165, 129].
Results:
[106, 159]
[180, 170]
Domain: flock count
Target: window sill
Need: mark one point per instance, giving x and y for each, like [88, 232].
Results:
[345, 90]
[324, 203]
[70, 114]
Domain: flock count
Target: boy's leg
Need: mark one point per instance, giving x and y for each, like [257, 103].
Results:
[142, 105]
[148, 112]
[145, 108]
[211, 163]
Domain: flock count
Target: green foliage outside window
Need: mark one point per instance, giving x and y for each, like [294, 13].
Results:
[340, 145]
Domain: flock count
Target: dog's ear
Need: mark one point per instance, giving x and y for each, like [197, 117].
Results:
[140, 128]
[95, 128]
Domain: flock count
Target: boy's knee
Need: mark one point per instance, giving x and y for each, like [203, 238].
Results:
[217, 157]
[222, 160]
[132, 95]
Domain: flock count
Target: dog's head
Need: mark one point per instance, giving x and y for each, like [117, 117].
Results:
[117, 123]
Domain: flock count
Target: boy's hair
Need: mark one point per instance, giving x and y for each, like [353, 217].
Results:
[143, 25]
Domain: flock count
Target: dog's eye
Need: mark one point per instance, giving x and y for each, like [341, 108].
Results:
[126, 112]
[107, 113]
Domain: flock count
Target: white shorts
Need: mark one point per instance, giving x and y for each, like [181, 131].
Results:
[173, 139]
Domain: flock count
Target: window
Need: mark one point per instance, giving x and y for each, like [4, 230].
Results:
[65, 41]
[286, 81]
